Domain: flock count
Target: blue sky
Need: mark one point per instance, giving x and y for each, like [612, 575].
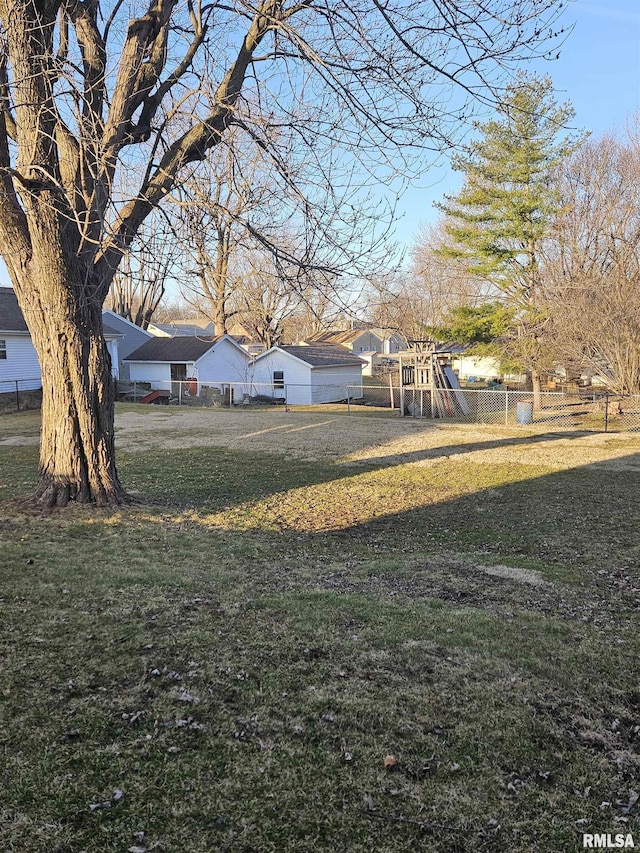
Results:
[598, 72]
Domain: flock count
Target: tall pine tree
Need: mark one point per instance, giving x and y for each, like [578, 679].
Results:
[499, 220]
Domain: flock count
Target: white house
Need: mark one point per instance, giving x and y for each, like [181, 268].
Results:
[18, 358]
[309, 374]
[163, 362]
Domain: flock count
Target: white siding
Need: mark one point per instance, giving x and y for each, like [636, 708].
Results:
[482, 368]
[157, 373]
[112, 346]
[224, 363]
[297, 377]
[329, 384]
[21, 364]
[305, 385]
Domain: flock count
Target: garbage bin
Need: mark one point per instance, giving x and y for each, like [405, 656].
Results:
[524, 413]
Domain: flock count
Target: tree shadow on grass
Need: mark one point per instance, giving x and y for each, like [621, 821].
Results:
[215, 478]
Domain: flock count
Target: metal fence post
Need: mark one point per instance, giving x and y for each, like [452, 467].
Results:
[606, 411]
[348, 401]
[17, 397]
[506, 407]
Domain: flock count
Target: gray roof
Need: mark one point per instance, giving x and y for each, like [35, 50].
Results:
[179, 329]
[109, 330]
[11, 319]
[179, 349]
[324, 355]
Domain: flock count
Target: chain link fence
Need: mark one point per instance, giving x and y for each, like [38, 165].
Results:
[17, 395]
[192, 392]
[598, 411]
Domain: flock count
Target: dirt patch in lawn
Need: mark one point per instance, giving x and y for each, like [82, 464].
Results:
[513, 573]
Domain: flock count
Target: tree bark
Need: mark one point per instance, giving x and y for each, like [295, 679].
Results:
[77, 458]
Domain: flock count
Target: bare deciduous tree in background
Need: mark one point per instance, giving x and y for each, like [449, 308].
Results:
[593, 263]
[422, 296]
[139, 283]
[103, 115]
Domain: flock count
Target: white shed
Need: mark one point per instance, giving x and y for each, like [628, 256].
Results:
[164, 362]
[305, 375]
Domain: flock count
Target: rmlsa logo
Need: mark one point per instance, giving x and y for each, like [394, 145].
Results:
[605, 841]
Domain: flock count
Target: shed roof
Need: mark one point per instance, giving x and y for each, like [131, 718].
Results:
[324, 355]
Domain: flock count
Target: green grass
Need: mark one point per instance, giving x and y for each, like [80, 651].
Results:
[238, 654]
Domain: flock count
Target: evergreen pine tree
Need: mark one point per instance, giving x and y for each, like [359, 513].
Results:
[504, 212]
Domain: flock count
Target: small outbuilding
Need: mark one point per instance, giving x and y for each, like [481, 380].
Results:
[305, 375]
[165, 363]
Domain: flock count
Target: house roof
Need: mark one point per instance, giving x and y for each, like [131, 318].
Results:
[181, 348]
[387, 334]
[110, 332]
[345, 337]
[107, 312]
[180, 329]
[323, 355]
[11, 319]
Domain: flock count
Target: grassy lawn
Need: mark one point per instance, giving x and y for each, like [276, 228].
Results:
[226, 664]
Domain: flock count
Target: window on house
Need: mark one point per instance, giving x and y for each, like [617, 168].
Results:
[278, 378]
[3, 349]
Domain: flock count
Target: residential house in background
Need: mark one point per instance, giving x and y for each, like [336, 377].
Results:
[357, 341]
[18, 359]
[375, 346]
[132, 338]
[245, 338]
[308, 374]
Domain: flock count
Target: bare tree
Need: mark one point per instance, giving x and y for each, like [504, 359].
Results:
[593, 262]
[215, 215]
[139, 283]
[421, 295]
[102, 116]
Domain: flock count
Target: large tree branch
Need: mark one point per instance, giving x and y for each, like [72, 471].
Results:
[141, 61]
[193, 145]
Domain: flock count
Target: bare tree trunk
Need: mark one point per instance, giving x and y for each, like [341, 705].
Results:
[77, 458]
[536, 385]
